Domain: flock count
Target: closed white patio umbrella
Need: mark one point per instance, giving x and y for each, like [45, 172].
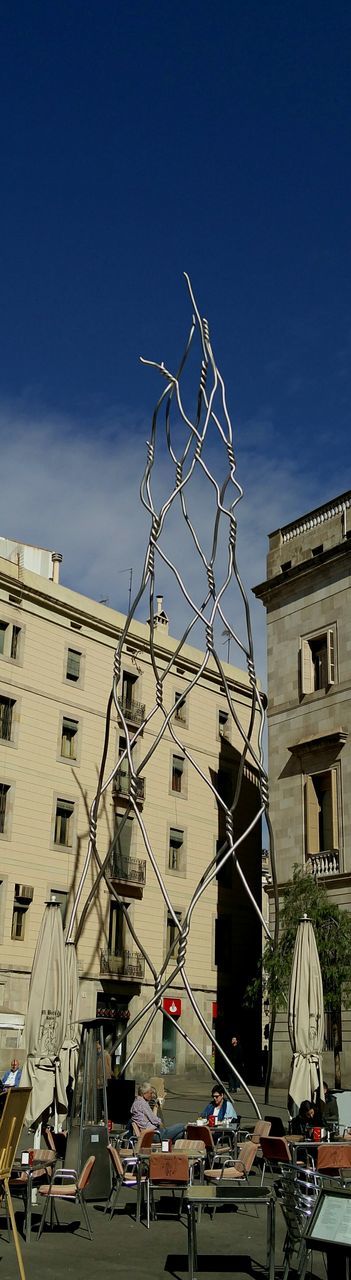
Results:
[46, 1019]
[70, 1046]
[306, 1016]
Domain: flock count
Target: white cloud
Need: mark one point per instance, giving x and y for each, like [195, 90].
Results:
[76, 490]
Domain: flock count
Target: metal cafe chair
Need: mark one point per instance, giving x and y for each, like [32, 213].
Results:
[168, 1171]
[126, 1173]
[276, 1153]
[68, 1187]
[202, 1133]
[297, 1191]
[234, 1169]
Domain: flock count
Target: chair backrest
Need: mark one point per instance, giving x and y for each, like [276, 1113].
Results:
[86, 1173]
[297, 1194]
[146, 1138]
[277, 1128]
[248, 1153]
[261, 1130]
[190, 1147]
[169, 1168]
[201, 1133]
[334, 1155]
[115, 1160]
[275, 1150]
[136, 1130]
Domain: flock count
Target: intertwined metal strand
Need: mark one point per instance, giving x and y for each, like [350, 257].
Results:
[211, 418]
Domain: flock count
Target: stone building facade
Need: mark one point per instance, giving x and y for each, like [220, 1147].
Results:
[56, 662]
[307, 596]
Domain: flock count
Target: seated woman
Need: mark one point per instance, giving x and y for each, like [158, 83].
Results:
[306, 1119]
[219, 1107]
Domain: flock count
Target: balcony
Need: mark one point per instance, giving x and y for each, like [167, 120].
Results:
[324, 864]
[134, 712]
[129, 874]
[121, 786]
[130, 966]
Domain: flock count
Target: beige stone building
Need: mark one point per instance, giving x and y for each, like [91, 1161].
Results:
[56, 661]
[307, 596]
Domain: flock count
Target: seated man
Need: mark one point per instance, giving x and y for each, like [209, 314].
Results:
[11, 1078]
[329, 1108]
[144, 1113]
[219, 1107]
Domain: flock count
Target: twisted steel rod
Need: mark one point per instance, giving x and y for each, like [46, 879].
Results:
[211, 415]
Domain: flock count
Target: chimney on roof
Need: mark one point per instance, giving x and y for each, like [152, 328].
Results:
[56, 561]
[160, 617]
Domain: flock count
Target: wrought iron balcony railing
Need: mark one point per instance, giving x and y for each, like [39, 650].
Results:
[130, 964]
[134, 712]
[324, 864]
[121, 785]
[132, 870]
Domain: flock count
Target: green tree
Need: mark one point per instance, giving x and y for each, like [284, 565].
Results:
[304, 895]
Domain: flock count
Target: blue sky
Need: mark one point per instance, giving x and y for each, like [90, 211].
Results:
[140, 140]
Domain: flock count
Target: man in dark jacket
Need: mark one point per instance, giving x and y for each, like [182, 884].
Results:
[235, 1053]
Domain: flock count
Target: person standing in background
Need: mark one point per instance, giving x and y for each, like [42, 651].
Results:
[236, 1055]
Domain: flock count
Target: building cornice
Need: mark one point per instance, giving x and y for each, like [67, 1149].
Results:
[265, 590]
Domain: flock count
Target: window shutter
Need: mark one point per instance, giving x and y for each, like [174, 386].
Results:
[311, 817]
[330, 657]
[176, 837]
[73, 663]
[306, 668]
[334, 810]
[124, 838]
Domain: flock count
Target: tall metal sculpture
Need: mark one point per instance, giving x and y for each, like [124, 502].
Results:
[211, 419]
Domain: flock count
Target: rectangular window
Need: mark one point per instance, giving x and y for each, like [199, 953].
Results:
[321, 813]
[69, 738]
[332, 1029]
[128, 691]
[176, 849]
[73, 665]
[177, 773]
[10, 640]
[123, 837]
[115, 935]
[4, 791]
[61, 896]
[6, 712]
[21, 902]
[172, 934]
[318, 662]
[180, 711]
[223, 724]
[16, 631]
[64, 822]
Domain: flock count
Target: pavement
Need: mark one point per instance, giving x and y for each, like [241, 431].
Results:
[232, 1243]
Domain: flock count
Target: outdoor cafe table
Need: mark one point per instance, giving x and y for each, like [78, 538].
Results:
[25, 1175]
[184, 1147]
[296, 1141]
[200, 1196]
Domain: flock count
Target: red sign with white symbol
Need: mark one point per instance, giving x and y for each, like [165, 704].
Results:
[174, 1007]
